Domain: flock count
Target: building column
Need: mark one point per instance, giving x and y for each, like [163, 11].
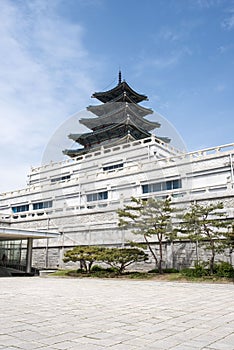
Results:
[29, 255]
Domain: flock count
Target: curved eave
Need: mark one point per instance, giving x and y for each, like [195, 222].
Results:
[124, 97]
[113, 131]
[109, 95]
[74, 137]
[74, 152]
[81, 151]
[108, 107]
[164, 139]
[120, 117]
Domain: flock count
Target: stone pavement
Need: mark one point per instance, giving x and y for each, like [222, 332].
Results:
[93, 314]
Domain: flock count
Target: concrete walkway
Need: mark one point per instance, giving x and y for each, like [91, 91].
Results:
[87, 314]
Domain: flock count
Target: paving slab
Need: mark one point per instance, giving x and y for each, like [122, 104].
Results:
[95, 314]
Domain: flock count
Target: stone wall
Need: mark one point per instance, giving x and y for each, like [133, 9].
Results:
[177, 255]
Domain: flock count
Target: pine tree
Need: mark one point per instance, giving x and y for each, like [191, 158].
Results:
[208, 226]
[150, 219]
[86, 255]
[120, 258]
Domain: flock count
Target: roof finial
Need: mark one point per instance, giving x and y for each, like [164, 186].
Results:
[120, 77]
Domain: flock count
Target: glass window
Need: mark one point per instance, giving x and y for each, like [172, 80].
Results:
[145, 188]
[169, 185]
[61, 178]
[97, 196]
[112, 167]
[162, 186]
[177, 184]
[42, 205]
[20, 208]
[156, 187]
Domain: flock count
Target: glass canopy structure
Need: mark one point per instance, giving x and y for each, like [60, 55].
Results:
[11, 244]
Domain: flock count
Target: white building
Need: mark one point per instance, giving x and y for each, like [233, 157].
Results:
[79, 197]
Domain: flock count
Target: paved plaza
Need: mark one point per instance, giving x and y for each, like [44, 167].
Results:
[94, 314]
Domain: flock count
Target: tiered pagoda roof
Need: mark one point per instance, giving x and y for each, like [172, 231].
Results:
[121, 93]
[119, 119]
[121, 112]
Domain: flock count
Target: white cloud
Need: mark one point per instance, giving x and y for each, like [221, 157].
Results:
[228, 22]
[163, 60]
[161, 104]
[220, 87]
[44, 77]
[169, 35]
[222, 49]
[207, 4]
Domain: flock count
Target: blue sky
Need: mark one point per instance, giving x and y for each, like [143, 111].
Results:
[55, 54]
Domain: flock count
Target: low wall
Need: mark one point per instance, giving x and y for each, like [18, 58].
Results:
[177, 255]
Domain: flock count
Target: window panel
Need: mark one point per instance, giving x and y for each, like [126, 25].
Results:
[20, 208]
[169, 185]
[42, 205]
[112, 167]
[156, 187]
[162, 186]
[145, 188]
[97, 196]
[177, 184]
[61, 178]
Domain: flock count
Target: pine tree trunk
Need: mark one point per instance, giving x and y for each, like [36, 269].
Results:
[152, 252]
[212, 259]
[161, 258]
[90, 266]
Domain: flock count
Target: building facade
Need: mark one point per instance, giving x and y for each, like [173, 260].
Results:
[120, 157]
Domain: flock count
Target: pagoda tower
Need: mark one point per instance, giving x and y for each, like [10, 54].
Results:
[119, 119]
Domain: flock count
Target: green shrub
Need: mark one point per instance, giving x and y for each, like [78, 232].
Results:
[111, 269]
[97, 268]
[168, 270]
[199, 270]
[138, 275]
[224, 269]
[153, 271]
